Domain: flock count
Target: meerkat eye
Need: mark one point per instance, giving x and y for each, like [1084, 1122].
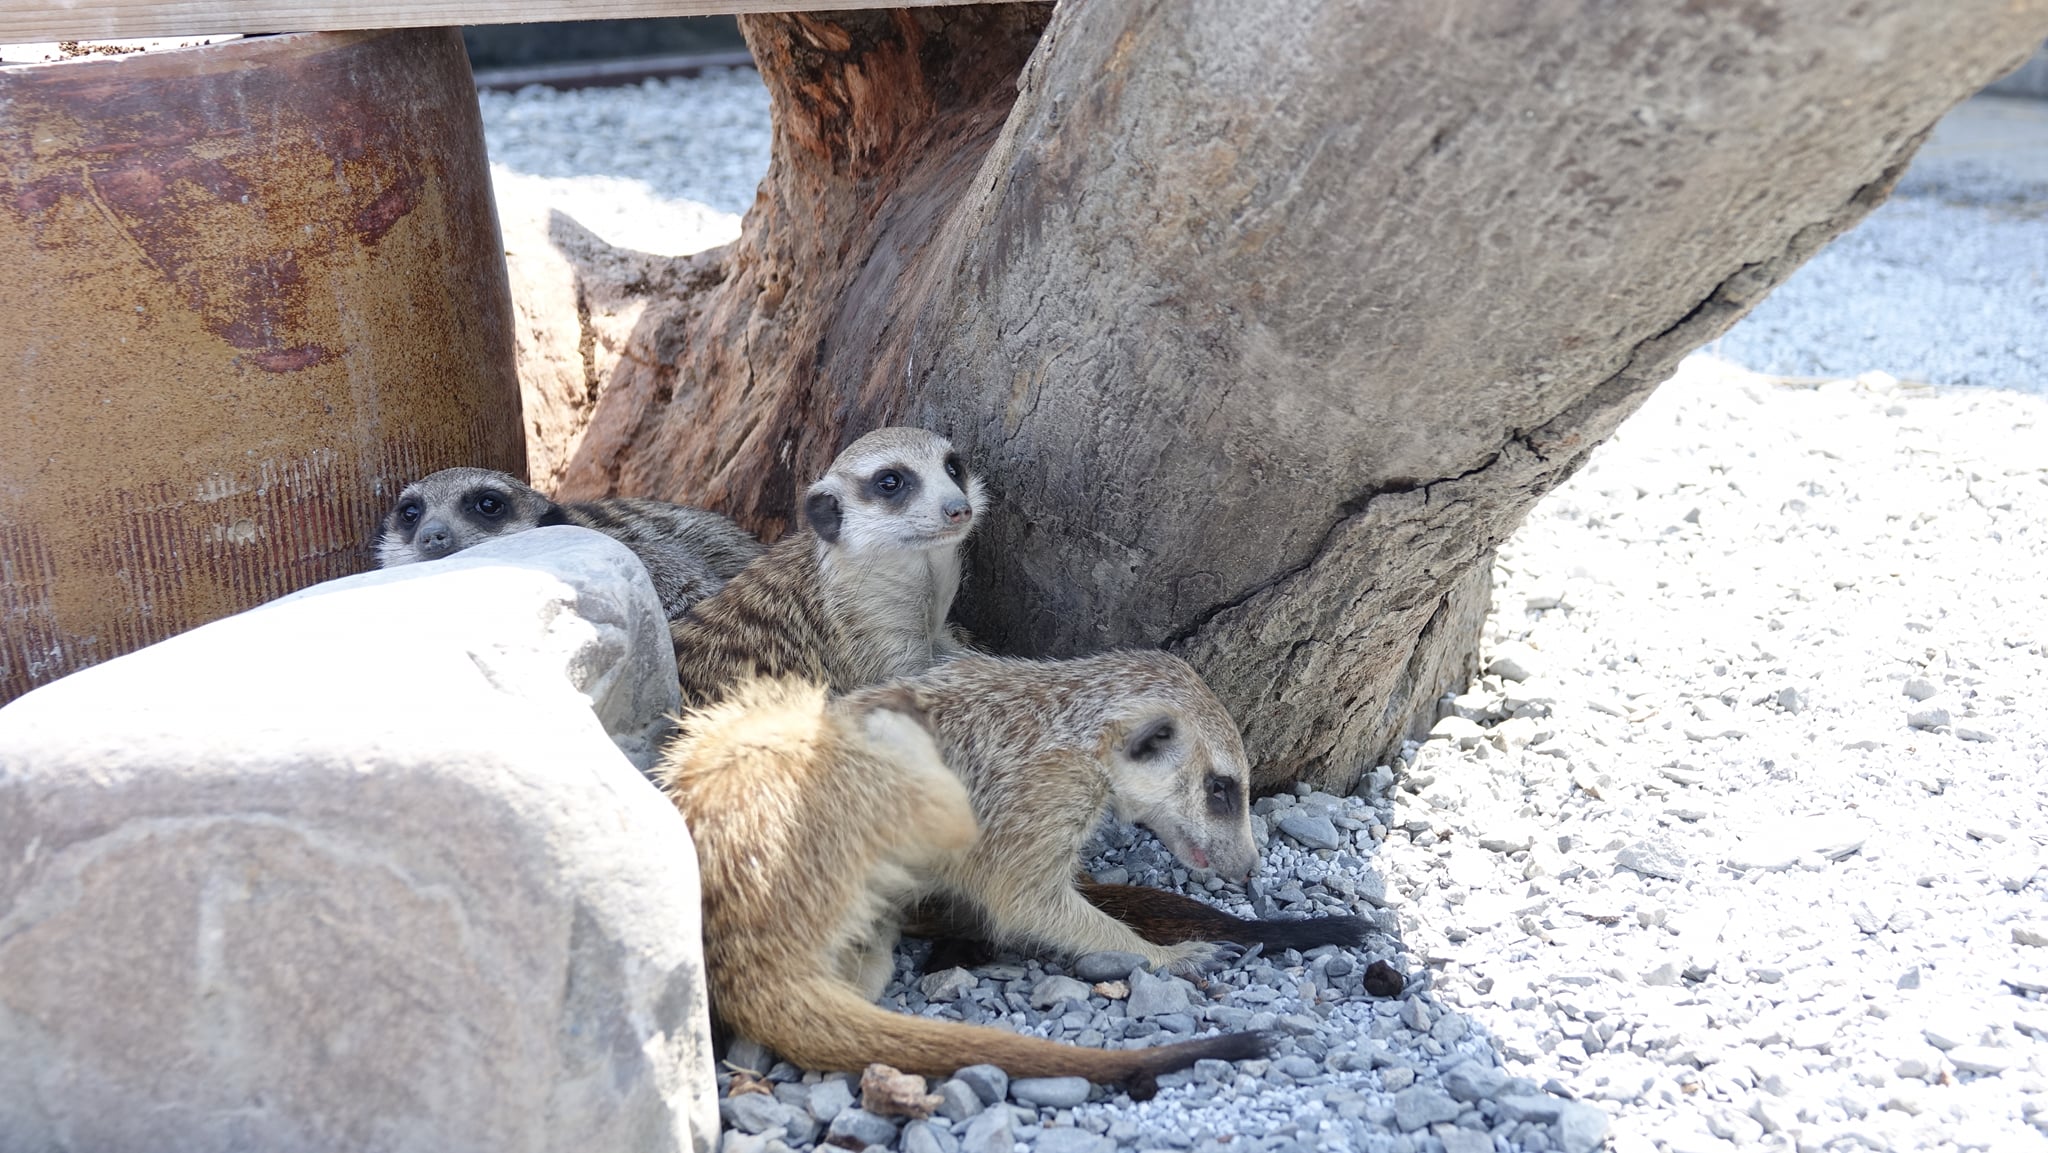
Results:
[490, 504]
[888, 481]
[1222, 795]
[954, 468]
[1151, 740]
[410, 511]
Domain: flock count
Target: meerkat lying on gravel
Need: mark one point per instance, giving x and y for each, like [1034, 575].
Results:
[1046, 748]
[858, 596]
[813, 820]
[689, 552]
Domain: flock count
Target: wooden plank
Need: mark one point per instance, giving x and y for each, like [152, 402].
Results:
[37, 21]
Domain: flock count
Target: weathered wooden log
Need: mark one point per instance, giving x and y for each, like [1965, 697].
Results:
[1268, 322]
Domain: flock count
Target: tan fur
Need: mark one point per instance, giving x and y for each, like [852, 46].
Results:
[1045, 748]
[813, 820]
[689, 553]
[862, 600]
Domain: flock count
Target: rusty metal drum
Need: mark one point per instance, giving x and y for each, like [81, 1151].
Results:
[247, 292]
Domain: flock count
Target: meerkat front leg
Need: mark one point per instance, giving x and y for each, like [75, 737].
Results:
[1058, 916]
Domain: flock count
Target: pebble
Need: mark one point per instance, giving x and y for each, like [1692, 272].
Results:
[857, 1129]
[1153, 996]
[988, 1082]
[925, 1137]
[1050, 1092]
[1071, 1141]
[1420, 1105]
[829, 1099]
[988, 1132]
[1051, 991]
[753, 1112]
[957, 1100]
[947, 984]
[1313, 830]
[1108, 966]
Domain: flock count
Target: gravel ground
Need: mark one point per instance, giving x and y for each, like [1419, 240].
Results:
[1740, 841]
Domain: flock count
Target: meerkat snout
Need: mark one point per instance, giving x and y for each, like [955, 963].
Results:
[1181, 772]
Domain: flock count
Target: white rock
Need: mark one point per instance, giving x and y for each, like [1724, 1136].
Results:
[1927, 719]
[2034, 933]
[1514, 661]
[1983, 1059]
[370, 855]
[1457, 730]
[1919, 688]
[946, 984]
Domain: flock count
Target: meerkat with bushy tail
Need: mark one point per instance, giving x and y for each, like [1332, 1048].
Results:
[857, 596]
[814, 819]
[1046, 749]
[689, 552]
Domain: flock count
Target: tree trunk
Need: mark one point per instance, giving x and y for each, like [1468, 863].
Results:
[1267, 323]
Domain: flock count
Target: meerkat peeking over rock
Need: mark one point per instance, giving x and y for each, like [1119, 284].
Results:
[862, 592]
[814, 820]
[689, 552]
[1046, 748]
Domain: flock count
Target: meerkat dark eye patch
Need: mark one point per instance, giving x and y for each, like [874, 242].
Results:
[1224, 796]
[410, 511]
[894, 484]
[955, 469]
[553, 516]
[489, 505]
[1151, 739]
[821, 512]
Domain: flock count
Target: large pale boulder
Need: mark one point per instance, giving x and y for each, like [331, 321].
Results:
[366, 869]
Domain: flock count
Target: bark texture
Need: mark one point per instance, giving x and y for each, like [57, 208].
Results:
[1267, 322]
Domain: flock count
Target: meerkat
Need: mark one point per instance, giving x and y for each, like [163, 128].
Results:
[1046, 749]
[814, 818]
[857, 596]
[689, 552]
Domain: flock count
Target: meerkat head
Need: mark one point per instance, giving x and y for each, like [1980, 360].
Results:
[1177, 764]
[448, 511]
[894, 489]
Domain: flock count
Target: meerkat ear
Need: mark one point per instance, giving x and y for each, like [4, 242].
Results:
[821, 512]
[554, 515]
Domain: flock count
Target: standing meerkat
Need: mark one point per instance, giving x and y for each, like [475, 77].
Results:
[689, 552]
[1046, 749]
[814, 818]
[857, 596]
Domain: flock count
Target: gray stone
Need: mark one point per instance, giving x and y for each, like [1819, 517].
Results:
[1983, 1059]
[988, 1082]
[1456, 1140]
[1050, 1092]
[753, 1112]
[1106, 966]
[957, 1100]
[370, 855]
[1154, 995]
[946, 984]
[1514, 661]
[1070, 1140]
[1530, 1107]
[1312, 830]
[1472, 1082]
[1652, 860]
[1297, 1067]
[1415, 1015]
[861, 1128]
[746, 1054]
[1051, 991]
[925, 1137]
[988, 1132]
[1421, 1105]
[1581, 1128]
[830, 1098]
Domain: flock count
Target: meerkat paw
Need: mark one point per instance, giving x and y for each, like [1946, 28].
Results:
[1185, 958]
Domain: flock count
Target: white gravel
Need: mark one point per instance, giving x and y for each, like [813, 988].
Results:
[1741, 841]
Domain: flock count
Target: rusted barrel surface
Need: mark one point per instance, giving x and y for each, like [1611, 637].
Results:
[247, 291]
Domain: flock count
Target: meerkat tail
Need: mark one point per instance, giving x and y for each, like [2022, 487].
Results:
[822, 1023]
[1165, 918]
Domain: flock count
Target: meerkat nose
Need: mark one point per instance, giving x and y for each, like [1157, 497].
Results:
[957, 510]
[433, 540]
